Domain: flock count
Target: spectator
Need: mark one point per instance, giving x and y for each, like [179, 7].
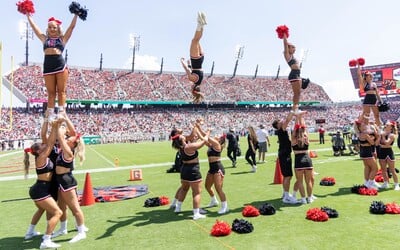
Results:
[321, 132]
[263, 140]
[232, 146]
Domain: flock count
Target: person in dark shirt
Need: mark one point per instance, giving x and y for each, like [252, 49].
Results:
[232, 146]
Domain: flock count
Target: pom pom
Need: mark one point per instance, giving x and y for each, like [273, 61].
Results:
[327, 181]
[361, 61]
[282, 30]
[392, 208]
[267, 209]
[77, 9]
[152, 202]
[383, 107]
[242, 226]
[377, 207]
[353, 63]
[220, 228]
[250, 211]
[164, 200]
[26, 7]
[316, 214]
[332, 213]
[363, 190]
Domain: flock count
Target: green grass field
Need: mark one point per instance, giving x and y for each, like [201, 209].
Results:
[129, 225]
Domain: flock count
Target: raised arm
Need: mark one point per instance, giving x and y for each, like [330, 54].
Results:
[68, 32]
[40, 35]
[286, 48]
[360, 79]
[285, 123]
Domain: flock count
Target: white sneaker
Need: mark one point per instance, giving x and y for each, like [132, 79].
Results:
[223, 210]
[198, 216]
[201, 18]
[78, 237]
[253, 168]
[59, 232]
[396, 187]
[384, 185]
[213, 203]
[178, 209]
[375, 185]
[310, 199]
[302, 201]
[314, 197]
[30, 235]
[290, 200]
[49, 244]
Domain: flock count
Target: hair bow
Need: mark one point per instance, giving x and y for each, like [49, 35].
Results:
[175, 137]
[53, 19]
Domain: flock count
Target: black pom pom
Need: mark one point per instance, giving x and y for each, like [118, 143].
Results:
[152, 202]
[332, 213]
[377, 207]
[76, 8]
[267, 209]
[242, 226]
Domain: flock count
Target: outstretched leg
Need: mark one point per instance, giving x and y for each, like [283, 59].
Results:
[195, 47]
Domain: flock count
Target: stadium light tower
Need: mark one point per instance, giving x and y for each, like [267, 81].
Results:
[27, 34]
[134, 42]
[238, 55]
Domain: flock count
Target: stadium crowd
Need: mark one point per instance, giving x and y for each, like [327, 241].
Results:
[90, 84]
[146, 122]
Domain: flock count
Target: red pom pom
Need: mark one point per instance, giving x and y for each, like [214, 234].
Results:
[392, 208]
[316, 214]
[164, 200]
[26, 7]
[353, 63]
[367, 191]
[361, 61]
[220, 228]
[250, 211]
[282, 30]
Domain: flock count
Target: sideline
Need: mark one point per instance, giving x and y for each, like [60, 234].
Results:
[151, 165]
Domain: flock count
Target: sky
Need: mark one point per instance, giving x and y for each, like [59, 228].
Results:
[327, 35]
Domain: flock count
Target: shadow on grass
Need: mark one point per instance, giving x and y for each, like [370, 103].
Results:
[144, 218]
[20, 243]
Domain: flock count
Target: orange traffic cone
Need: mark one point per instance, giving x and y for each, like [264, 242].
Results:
[136, 175]
[87, 196]
[278, 178]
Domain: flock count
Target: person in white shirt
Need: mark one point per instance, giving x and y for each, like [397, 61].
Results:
[263, 140]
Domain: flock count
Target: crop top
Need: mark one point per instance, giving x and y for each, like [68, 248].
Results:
[47, 168]
[186, 157]
[297, 147]
[63, 163]
[292, 61]
[53, 43]
[369, 86]
[212, 152]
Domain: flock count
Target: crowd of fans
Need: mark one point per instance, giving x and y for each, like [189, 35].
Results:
[90, 84]
[114, 123]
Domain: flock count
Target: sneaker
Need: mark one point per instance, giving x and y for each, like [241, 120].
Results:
[254, 168]
[202, 211]
[302, 201]
[397, 188]
[78, 237]
[59, 232]
[234, 164]
[30, 235]
[201, 18]
[85, 229]
[198, 216]
[290, 200]
[213, 204]
[49, 244]
[52, 118]
[375, 185]
[384, 185]
[310, 199]
[304, 83]
[223, 210]
[178, 209]
[314, 197]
